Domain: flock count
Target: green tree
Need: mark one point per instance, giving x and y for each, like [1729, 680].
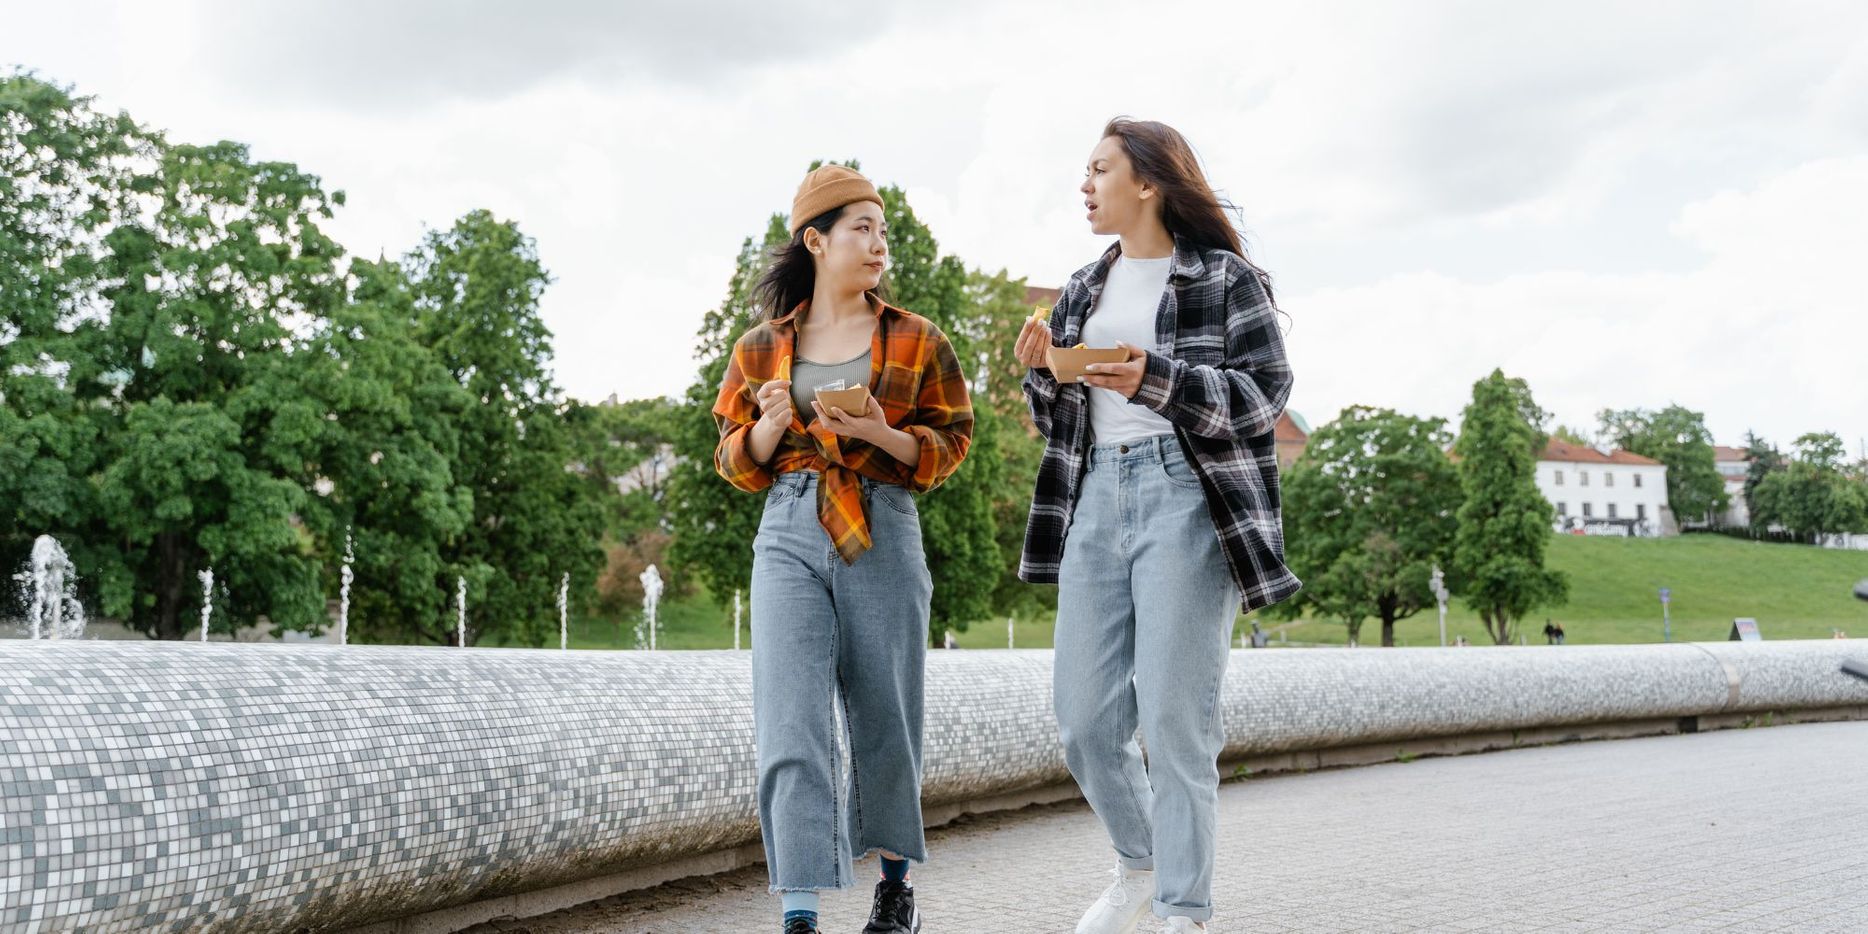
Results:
[713, 523]
[1570, 435]
[1675, 436]
[181, 345]
[383, 413]
[67, 176]
[624, 453]
[476, 287]
[203, 434]
[957, 527]
[1761, 460]
[998, 312]
[1369, 510]
[1815, 495]
[1504, 521]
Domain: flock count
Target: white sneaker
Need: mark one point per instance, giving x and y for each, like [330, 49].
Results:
[1122, 904]
[1180, 925]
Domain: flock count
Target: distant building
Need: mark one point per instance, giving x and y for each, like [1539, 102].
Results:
[1292, 434]
[1733, 465]
[1600, 491]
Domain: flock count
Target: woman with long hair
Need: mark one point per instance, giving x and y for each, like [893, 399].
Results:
[1156, 510]
[840, 584]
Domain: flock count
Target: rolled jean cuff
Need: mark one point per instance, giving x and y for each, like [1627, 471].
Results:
[1137, 862]
[776, 889]
[916, 857]
[1165, 910]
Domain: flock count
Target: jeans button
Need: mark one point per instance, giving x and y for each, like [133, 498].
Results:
[1122, 449]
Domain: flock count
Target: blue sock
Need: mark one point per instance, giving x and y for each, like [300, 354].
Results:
[800, 905]
[894, 870]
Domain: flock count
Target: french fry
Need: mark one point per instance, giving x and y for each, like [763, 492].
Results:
[1040, 312]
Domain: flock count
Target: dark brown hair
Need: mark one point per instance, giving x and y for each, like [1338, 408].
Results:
[1190, 209]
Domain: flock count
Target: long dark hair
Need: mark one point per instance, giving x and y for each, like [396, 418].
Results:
[1190, 209]
[790, 274]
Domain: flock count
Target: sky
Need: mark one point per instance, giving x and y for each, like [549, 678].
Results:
[1627, 205]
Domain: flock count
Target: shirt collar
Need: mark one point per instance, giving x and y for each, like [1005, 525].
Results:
[876, 306]
[1187, 261]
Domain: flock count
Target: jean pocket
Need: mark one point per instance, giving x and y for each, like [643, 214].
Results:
[1179, 472]
[894, 497]
[779, 493]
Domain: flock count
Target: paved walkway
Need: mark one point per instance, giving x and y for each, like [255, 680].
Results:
[1738, 830]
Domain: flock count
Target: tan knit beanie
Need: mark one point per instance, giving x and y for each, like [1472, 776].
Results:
[828, 188]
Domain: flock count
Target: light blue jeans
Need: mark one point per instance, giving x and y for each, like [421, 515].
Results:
[830, 639]
[1145, 606]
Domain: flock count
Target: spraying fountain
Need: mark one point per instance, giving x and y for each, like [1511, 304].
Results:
[460, 609]
[345, 576]
[207, 599]
[564, 620]
[735, 620]
[50, 588]
[651, 595]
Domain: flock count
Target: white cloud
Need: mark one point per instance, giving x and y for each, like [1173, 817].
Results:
[1767, 333]
[368, 55]
[1613, 192]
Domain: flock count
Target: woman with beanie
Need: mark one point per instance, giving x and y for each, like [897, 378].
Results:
[840, 584]
[1156, 510]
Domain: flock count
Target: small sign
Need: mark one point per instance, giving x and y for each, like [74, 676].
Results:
[1665, 595]
[1744, 629]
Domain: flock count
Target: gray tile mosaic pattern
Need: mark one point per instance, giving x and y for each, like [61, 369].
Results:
[237, 787]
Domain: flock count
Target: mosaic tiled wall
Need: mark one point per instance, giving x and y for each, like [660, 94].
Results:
[182, 787]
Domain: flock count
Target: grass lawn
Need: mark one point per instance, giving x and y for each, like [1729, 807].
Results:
[1794, 591]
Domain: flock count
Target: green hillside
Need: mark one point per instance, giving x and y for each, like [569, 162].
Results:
[1794, 591]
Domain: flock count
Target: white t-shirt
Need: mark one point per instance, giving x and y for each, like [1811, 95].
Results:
[1125, 311]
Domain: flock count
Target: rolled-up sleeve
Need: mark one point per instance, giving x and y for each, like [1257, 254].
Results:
[943, 418]
[1040, 396]
[735, 412]
[1240, 399]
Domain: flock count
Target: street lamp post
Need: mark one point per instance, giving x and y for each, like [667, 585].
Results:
[1666, 618]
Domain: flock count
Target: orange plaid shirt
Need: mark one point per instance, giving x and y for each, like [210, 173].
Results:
[914, 375]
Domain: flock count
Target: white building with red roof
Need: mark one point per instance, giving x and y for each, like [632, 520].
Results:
[1605, 491]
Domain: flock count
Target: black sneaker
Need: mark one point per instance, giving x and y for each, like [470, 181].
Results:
[895, 911]
[801, 926]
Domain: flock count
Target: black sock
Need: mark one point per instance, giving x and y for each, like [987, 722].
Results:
[894, 870]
